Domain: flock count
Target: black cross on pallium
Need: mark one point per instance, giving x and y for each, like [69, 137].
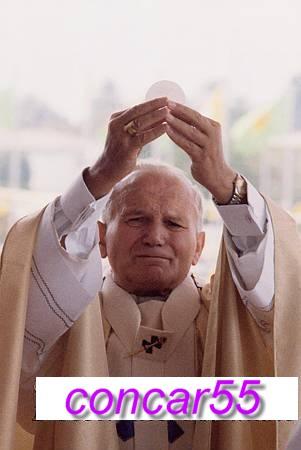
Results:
[156, 341]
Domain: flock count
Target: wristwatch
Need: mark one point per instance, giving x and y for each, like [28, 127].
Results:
[239, 194]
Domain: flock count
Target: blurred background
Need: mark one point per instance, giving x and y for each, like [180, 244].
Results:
[66, 66]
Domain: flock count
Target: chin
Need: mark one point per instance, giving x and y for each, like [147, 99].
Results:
[152, 282]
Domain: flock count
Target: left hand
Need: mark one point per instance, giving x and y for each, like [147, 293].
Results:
[201, 138]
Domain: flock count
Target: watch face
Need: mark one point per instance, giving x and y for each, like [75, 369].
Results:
[166, 88]
[240, 186]
[240, 191]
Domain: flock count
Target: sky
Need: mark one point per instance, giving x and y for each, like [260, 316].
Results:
[63, 51]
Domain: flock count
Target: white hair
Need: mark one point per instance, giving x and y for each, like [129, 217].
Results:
[150, 165]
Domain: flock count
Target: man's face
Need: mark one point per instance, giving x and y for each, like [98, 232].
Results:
[152, 239]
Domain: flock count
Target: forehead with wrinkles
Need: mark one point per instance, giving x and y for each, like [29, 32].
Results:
[154, 195]
[152, 190]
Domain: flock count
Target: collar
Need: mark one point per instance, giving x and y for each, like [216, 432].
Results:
[123, 314]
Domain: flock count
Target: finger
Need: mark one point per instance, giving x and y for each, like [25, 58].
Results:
[188, 131]
[188, 146]
[142, 108]
[191, 117]
[148, 136]
[118, 113]
[151, 119]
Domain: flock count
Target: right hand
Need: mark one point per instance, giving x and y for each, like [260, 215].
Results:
[121, 149]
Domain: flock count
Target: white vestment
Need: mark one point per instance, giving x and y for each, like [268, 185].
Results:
[55, 305]
[132, 324]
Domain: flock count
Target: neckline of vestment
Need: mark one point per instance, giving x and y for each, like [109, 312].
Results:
[124, 316]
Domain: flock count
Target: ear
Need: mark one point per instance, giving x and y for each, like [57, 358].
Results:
[102, 229]
[199, 247]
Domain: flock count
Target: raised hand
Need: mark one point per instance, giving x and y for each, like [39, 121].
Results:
[128, 132]
[201, 138]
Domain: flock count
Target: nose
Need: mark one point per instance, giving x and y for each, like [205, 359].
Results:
[154, 235]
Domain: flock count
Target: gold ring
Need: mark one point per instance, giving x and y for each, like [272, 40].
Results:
[131, 128]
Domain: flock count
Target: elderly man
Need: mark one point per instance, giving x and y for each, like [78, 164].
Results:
[151, 233]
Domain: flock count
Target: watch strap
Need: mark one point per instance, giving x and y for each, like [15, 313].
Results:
[239, 193]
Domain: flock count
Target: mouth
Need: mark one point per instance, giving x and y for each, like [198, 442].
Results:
[153, 257]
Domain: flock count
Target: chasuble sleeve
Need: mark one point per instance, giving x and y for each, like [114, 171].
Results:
[63, 281]
[241, 348]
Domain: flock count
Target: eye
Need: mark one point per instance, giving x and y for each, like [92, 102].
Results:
[135, 221]
[173, 224]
